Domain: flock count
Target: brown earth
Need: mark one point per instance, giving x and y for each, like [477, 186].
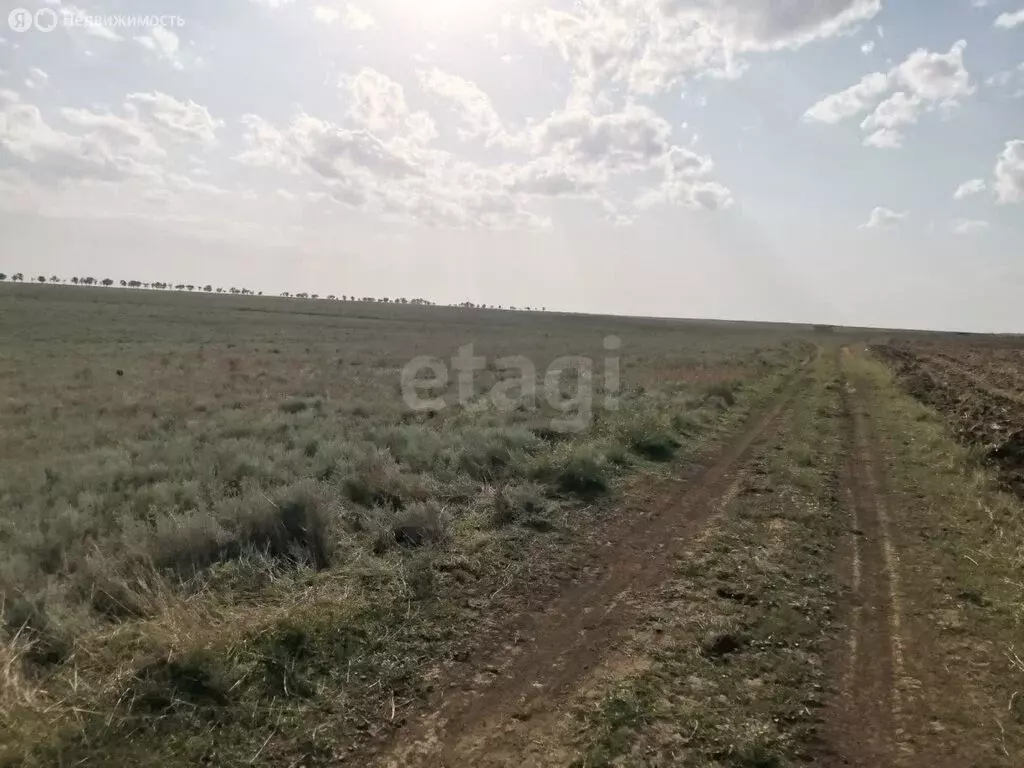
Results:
[983, 414]
[491, 716]
[863, 721]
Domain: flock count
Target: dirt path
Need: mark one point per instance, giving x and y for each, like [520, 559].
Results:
[865, 718]
[917, 685]
[493, 720]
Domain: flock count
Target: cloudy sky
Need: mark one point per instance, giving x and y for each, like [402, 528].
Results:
[848, 161]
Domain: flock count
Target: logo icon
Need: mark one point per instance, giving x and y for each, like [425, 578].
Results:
[46, 19]
[20, 20]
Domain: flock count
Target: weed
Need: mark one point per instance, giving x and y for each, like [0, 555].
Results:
[651, 440]
[418, 525]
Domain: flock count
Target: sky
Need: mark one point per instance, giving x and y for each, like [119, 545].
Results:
[859, 162]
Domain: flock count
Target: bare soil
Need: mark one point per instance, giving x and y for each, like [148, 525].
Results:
[863, 719]
[490, 716]
[983, 402]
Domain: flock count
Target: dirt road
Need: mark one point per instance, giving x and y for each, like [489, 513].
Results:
[495, 721]
[798, 600]
[863, 722]
[920, 686]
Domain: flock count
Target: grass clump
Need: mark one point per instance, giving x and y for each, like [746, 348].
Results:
[497, 453]
[292, 527]
[584, 472]
[294, 406]
[376, 480]
[652, 440]
[45, 642]
[519, 502]
[418, 525]
[194, 680]
[725, 391]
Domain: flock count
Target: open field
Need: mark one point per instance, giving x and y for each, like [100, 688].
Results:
[229, 539]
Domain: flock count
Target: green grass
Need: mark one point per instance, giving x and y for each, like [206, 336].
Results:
[216, 540]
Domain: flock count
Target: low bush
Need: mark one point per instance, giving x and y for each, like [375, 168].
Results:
[518, 502]
[582, 471]
[497, 453]
[652, 440]
[723, 389]
[418, 525]
[293, 527]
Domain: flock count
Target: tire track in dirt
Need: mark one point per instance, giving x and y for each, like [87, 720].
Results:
[865, 719]
[496, 724]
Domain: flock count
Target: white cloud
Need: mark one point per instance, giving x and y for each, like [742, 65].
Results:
[939, 77]
[178, 120]
[899, 109]
[103, 146]
[377, 103]
[357, 19]
[36, 78]
[650, 45]
[1010, 20]
[884, 218]
[853, 101]
[273, 3]
[547, 177]
[575, 153]
[773, 26]
[867, 47]
[164, 44]
[1009, 181]
[471, 105]
[325, 14]
[374, 100]
[968, 188]
[686, 183]
[631, 139]
[390, 179]
[928, 80]
[884, 138]
[968, 226]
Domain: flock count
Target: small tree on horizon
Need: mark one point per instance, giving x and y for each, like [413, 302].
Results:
[107, 282]
[3, 276]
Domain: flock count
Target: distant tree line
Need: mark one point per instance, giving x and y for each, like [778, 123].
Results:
[166, 286]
